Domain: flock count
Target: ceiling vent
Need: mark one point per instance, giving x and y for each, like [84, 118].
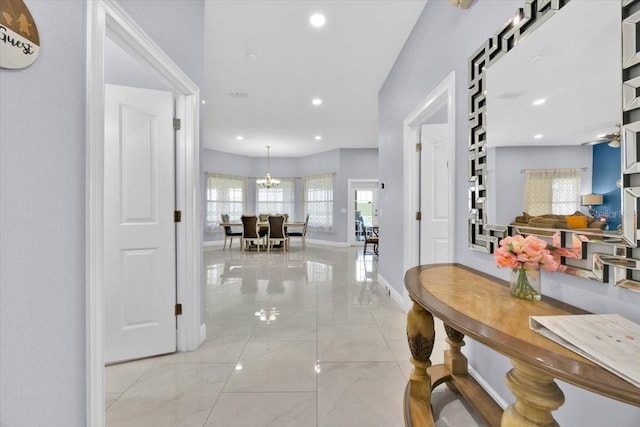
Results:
[238, 94]
[511, 95]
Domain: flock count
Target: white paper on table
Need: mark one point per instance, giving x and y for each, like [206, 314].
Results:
[609, 340]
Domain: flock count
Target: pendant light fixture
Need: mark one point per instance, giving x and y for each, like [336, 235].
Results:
[267, 181]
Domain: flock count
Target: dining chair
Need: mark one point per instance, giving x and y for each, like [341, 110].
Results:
[276, 232]
[263, 230]
[228, 233]
[371, 238]
[250, 231]
[302, 233]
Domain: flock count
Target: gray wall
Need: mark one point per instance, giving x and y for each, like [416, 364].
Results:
[345, 163]
[42, 208]
[442, 41]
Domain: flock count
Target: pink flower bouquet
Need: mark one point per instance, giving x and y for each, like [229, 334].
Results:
[525, 256]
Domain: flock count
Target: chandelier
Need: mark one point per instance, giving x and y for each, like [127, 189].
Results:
[267, 181]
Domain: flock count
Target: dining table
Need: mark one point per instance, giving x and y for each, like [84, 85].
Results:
[291, 224]
[263, 224]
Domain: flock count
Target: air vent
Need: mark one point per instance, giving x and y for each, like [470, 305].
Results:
[511, 95]
[238, 94]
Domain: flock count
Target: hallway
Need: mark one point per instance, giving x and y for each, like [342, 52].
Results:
[304, 338]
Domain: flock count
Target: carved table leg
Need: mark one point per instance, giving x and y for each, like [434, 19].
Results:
[454, 360]
[420, 335]
[536, 396]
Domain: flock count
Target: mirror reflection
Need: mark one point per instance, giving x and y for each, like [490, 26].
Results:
[553, 106]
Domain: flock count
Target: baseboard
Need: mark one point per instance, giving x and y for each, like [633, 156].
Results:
[217, 243]
[203, 334]
[212, 243]
[485, 385]
[328, 243]
[399, 299]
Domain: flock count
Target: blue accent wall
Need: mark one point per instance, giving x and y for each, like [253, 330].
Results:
[606, 171]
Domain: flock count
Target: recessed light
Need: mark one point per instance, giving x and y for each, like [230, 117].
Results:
[538, 136]
[535, 58]
[239, 137]
[317, 20]
[539, 101]
[317, 137]
[204, 102]
[316, 101]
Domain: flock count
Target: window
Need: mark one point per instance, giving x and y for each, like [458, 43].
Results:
[277, 200]
[551, 191]
[364, 205]
[225, 195]
[318, 201]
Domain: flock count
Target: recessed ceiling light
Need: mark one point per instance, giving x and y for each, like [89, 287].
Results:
[317, 137]
[538, 136]
[251, 56]
[316, 101]
[317, 20]
[239, 137]
[204, 102]
[535, 58]
[539, 101]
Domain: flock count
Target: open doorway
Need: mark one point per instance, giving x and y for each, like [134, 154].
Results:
[429, 179]
[363, 209]
[106, 20]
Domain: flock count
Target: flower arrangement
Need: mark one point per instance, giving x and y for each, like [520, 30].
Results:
[525, 256]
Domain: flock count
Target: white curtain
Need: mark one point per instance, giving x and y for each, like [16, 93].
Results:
[318, 201]
[226, 194]
[277, 200]
[551, 191]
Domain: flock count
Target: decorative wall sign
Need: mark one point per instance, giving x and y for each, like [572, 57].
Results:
[19, 39]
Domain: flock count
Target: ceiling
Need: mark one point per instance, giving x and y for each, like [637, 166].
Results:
[264, 63]
[572, 62]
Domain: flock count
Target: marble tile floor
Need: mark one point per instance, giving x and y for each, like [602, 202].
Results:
[304, 338]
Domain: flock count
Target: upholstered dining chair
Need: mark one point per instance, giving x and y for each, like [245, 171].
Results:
[228, 233]
[302, 234]
[250, 231]
[276, 232]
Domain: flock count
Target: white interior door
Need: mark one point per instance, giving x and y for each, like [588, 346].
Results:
[139, 235]
[434, 194]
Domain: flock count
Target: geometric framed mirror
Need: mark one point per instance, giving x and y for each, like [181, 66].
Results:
[541, 101]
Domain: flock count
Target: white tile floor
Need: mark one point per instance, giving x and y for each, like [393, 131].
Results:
[329, 350]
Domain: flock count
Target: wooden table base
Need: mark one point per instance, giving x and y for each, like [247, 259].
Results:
[474, 304]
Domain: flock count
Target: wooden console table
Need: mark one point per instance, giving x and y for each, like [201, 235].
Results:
[477, 305]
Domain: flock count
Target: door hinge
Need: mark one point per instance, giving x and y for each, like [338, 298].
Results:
[177, 216]
[176, 124]
[419, 216]
[178, 309]
[419, 147]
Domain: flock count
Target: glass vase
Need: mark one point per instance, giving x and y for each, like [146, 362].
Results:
[525, 283]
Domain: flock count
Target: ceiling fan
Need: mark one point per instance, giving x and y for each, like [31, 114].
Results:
[612, 139]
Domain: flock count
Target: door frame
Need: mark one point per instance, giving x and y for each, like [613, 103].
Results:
[351, 199]
[106, 18]
[442, 95]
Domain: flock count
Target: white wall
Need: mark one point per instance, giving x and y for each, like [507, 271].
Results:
[442, 41]
[42, 208]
